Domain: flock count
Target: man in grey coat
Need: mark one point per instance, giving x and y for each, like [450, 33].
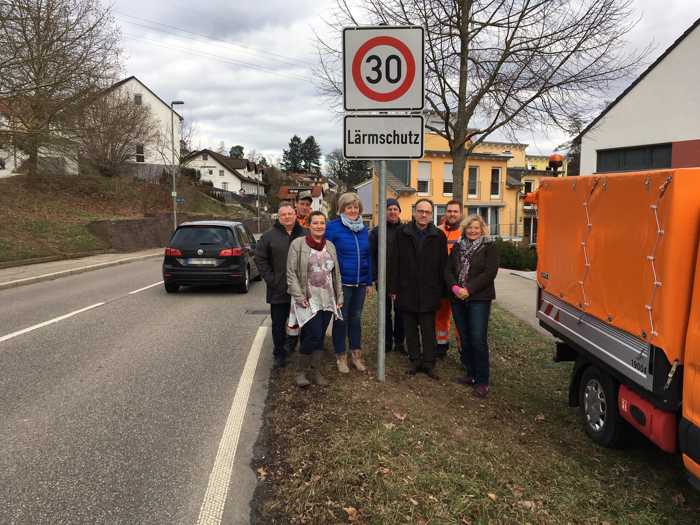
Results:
[271, 259]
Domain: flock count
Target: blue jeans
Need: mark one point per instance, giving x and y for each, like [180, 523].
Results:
[313, 333]
[472, 321]
[351, 325]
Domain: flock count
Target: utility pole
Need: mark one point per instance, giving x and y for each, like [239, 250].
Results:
[381, 279]
[172, 166]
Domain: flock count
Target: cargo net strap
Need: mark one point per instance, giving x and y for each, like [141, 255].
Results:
[584, 245]
[656, 283]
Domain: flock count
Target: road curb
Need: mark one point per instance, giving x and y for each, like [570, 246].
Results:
[73, 271]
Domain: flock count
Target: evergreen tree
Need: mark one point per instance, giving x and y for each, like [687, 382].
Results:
[236, 152]
[349, 173]
[311, 155]
[292, 159]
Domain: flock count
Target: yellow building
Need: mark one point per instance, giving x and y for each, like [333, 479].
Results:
[486, 186]
[497, 174]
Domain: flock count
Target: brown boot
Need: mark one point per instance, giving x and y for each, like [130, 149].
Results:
[342, 361]
[316, 376]
[303, 361]
[357, 360]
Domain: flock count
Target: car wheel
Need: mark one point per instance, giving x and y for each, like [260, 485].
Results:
[598, 405]
[171, 287]
[245, 283]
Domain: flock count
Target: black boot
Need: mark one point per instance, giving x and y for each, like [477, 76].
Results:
[290, 344]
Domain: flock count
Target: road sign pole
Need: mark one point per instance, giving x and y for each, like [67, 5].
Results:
[381, 279]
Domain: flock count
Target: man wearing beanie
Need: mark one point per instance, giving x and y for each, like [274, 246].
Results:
[394, 325]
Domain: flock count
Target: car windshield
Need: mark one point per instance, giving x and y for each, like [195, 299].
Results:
[192, 236]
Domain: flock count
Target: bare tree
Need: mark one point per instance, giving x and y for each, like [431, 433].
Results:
[55, 57]
[109, 130]
[501, 65]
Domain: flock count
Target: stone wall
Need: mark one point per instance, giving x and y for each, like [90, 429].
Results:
[150, 232]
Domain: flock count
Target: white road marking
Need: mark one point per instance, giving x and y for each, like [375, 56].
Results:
[145, 287]
[212, 508]
[50, 321]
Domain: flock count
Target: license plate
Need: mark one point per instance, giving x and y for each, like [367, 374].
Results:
[202, 262]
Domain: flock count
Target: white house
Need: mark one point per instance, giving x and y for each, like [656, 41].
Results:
[236, 175]
[654, 123]
[147, 157]
[168, 120]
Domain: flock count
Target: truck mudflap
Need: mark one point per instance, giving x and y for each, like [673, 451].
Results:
[660, 426]
[630, 356]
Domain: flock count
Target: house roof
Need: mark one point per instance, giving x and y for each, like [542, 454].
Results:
[122, 82]
[396, 184]
[227, 162]
[472, 155]
[639, 79]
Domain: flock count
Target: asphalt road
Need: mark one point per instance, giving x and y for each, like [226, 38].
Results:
[115, 414]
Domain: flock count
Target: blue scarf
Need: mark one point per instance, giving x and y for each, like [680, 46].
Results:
[356, 226]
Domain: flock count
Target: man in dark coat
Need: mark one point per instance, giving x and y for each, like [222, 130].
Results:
[394, 327]
[416, 281]
[271, 260]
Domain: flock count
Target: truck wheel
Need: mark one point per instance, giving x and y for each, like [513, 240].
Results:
[598, 406]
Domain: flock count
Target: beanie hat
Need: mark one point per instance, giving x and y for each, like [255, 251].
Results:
[393, 202]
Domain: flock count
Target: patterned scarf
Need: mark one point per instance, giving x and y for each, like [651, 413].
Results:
[467, 249]
[314, 244]
[356, 226]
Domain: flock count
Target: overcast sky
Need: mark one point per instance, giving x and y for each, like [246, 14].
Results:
[244, 68]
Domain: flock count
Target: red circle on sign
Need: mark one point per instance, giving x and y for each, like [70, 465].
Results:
[357, 68]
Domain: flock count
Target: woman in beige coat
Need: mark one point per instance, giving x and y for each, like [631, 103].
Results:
[314, 283]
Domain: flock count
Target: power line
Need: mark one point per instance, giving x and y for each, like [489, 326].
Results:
[152, 24]
[227, 60]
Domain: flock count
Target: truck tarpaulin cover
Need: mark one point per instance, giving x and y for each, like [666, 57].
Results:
[622, 247]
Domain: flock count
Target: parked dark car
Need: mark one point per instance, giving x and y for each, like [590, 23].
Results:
[210, 253]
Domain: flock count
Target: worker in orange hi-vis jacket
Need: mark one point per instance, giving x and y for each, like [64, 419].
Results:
[450, 227]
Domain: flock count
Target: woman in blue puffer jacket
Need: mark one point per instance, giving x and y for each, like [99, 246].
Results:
[349, 235]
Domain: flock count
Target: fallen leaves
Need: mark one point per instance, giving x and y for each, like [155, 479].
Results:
[492, 496]
[399, 416]
[262, 473]
[539, 417]
[352, 512]
[529, 505]
[678, 499]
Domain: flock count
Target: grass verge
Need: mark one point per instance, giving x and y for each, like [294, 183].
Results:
[417, 451]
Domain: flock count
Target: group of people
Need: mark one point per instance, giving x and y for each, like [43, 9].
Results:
[318, 272]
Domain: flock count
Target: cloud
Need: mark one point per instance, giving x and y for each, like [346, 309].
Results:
[250, 83]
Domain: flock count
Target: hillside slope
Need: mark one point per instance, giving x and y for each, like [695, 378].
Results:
[44, 216]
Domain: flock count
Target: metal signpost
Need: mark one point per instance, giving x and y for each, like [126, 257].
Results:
[383, 73]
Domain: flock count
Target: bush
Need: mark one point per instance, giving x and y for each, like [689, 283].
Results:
[516, 255]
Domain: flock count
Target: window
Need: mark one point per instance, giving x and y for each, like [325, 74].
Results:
[490, 214]
[495, 182]
[2, 164]
[138, 100]
[224, 186]
[221, 173]
[631, 159]
[140, 156]
[472, 184]
[527, 186]
[530, 229]
[205, 156]
[423, 178]
[439, 213]
[401, 169]
[447, 179]
[211, 172]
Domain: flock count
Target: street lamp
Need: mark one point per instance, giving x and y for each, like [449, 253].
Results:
[172, 146]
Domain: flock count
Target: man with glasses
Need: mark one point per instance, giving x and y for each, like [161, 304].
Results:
[416, 281]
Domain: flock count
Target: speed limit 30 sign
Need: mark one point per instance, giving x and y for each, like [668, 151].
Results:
[383, 68]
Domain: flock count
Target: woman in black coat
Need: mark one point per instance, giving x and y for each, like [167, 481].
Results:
[469, 275]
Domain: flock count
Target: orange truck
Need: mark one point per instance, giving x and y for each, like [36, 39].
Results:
[618, 288]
